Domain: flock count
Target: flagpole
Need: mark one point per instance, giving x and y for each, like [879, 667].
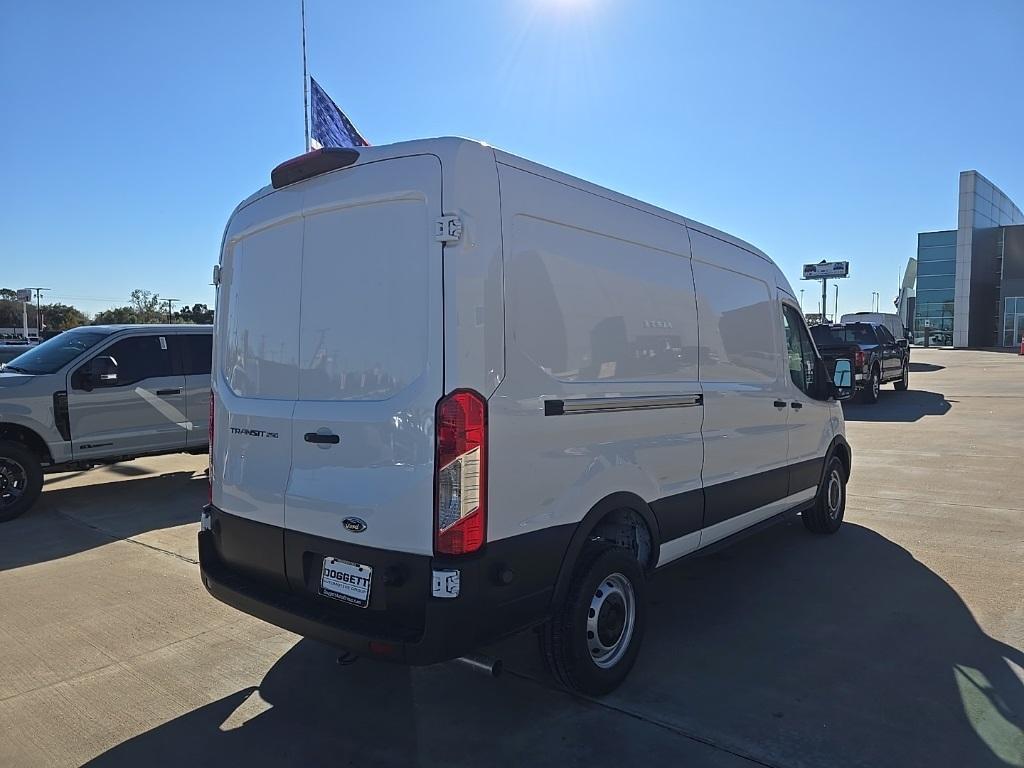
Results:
[305, 76]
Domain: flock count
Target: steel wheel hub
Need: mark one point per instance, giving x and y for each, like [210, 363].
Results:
[610, 620]
[835, 494]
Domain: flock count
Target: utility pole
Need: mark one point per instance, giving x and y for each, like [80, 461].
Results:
[169, 302]
[801, 299]
[835, 317]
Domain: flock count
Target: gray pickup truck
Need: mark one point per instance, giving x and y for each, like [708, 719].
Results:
[100, 395]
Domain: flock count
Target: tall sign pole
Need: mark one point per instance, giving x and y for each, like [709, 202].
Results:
[823, 271]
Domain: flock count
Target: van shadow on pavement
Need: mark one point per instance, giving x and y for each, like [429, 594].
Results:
[912, 405]
[787, 648]
[73, 519]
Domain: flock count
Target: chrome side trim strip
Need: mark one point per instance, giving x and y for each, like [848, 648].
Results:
[624, 403]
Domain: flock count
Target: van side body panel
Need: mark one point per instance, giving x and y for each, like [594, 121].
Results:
[745, 433]
[600, 311]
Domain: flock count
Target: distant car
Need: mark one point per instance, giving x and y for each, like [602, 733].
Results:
[10, 349]
[933, 337]
[878, 357]
[99, 395]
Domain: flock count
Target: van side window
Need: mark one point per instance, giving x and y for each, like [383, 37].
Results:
[800, 351]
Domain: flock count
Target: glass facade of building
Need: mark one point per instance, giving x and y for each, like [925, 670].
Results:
[936, 282]
[1013, 321]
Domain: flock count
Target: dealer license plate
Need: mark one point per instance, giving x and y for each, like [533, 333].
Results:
[345, 581]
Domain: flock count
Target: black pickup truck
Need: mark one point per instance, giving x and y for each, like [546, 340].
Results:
[877, 357]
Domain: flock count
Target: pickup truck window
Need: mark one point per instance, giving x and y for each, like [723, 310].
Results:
[886, 336]
[54, 354]
[141, 357]
[843, 335]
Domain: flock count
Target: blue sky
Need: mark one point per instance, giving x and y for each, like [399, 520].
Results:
[814, 130]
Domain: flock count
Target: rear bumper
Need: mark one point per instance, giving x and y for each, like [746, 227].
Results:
[403, 623]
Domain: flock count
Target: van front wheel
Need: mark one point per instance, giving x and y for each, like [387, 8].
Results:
[592, 640]
[827, 513]
[21, 479]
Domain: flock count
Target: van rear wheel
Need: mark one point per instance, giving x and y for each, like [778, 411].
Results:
[826, 516]
[21, 479]
[592, 640]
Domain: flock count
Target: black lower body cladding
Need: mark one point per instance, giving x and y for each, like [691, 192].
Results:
[274, 574]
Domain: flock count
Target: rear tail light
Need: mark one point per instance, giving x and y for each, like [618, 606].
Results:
[209, 467]
[858, 359]
[460, 488]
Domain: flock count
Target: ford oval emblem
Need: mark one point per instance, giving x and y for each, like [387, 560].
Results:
[354, 524]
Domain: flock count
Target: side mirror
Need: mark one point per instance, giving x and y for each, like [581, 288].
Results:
[902, 343]
[842, 380]
[100, 372]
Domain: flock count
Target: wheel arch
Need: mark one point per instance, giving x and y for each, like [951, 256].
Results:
[615, 511]
[840, 449]
[18, 433]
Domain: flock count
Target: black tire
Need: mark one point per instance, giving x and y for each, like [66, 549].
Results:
[903, 382]
[566, 640]
[826, 516]
[21, 479]
[871, 387]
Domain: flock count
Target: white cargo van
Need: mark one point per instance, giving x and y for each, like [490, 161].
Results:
[458, 394]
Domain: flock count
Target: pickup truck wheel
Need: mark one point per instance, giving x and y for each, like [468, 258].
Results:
[21, 479]
[904, 381]
[871, 387]
[827, 513]
[593, 638]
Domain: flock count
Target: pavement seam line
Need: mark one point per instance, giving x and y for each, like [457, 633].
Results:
[120, 663]
[931, 501]
[649, 721]
[115, 537]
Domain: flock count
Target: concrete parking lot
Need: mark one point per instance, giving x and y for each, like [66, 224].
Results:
[896, 642]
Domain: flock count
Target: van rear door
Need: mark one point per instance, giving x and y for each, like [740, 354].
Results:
[370, 356]
[256, 380]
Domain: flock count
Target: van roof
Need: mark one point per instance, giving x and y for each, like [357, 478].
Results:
[448, 148]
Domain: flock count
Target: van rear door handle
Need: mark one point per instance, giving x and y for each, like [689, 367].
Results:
[321, 439]
[795, 405]
[164, 392]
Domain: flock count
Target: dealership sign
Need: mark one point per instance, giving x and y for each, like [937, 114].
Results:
[826, 269]
[24, 294]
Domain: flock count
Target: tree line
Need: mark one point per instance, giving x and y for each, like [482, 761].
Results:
[142, 307]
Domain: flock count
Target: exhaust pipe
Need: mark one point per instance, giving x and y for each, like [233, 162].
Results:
[491, 667]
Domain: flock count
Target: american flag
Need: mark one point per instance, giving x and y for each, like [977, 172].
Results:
[331, 127]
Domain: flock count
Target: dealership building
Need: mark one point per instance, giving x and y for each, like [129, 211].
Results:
[968, 282]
